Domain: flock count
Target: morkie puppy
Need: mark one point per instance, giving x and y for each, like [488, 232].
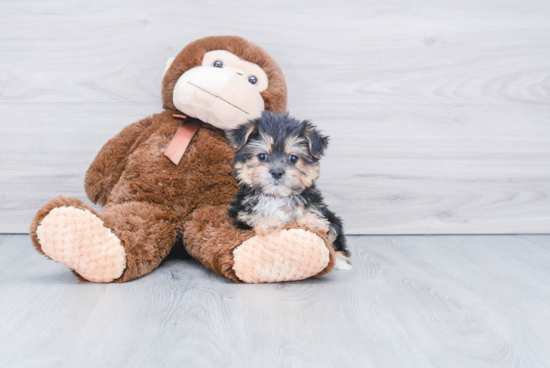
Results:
[276, 164]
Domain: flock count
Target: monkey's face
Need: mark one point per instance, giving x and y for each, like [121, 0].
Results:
[277, 155]
[224, 91]
[224, 81]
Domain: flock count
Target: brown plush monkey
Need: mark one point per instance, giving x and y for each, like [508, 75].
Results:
[151, 201]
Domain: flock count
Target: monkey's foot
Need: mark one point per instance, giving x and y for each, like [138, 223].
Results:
[287, 255]
[78, 239]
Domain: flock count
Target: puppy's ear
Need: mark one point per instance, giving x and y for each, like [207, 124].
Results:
[239, 136]
[317, 142]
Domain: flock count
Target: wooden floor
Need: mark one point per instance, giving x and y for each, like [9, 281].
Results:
[410, 301]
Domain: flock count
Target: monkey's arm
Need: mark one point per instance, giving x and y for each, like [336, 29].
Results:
[109, 163]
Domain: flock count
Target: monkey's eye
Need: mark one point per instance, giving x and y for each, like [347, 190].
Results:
[218, 64]
[252, 79]
[262, 157]
[293, 158]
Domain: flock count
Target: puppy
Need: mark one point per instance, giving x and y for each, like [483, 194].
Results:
[276, 164]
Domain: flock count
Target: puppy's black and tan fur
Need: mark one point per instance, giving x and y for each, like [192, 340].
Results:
[276, 164]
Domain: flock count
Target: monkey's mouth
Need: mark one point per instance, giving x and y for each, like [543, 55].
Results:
[218, 97]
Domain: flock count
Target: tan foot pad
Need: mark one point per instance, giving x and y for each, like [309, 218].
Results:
[78, 239]
[286, 255]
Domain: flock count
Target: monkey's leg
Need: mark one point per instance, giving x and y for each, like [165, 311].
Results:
[293, 253]
[120, 244]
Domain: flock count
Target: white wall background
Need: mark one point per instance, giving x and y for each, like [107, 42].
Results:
[439, 111]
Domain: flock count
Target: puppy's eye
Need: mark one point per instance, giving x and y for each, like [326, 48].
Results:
[252, 79]
[293, 158]
[262, 156]
[218, 64]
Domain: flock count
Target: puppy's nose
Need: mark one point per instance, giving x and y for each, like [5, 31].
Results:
[277, 173]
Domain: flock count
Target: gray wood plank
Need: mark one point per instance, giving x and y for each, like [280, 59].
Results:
[410, 301]
[438, 111]
[361, 51]
[47, 152]
[467, 170]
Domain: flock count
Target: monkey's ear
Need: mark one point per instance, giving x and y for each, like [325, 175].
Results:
[239, 136]
[318, 143]
[168, 64]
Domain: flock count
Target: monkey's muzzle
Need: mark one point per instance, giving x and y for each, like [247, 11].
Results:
[217, 96]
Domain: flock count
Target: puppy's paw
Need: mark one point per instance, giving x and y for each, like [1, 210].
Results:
[312, 222]
[342, 262]
[268, 226]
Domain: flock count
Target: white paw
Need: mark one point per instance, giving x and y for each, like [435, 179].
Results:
[341, 264]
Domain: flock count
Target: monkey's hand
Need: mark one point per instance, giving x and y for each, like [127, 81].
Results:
[106, 169]
[313, 222]
[268, 226]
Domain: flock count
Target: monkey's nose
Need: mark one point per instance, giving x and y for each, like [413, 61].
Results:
[277, 173]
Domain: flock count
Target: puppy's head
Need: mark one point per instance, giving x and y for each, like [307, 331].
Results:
[277, 154]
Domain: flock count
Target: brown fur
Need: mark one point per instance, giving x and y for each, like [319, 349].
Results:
[304, 174]
[149, 202]
[102, 175]
[215, 251]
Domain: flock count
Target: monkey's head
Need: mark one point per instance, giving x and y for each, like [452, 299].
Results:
[224, 81]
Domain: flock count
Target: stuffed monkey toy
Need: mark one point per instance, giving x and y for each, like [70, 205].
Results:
[168, 178]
